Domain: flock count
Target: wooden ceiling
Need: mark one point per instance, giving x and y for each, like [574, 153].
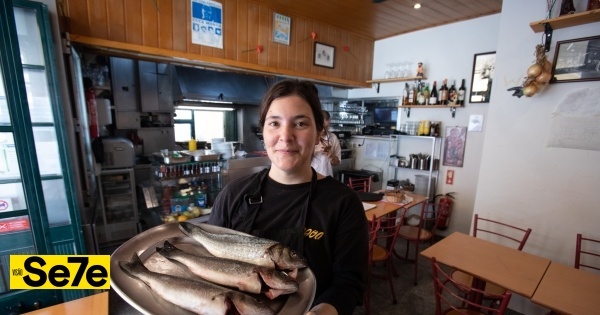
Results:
[388, 18]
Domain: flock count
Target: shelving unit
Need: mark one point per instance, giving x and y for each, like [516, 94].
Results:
[406, 145]
[403, 79]
[567, 21]
[451, 107]
[118, 219]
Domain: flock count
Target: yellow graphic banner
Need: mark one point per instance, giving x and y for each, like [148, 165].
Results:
[59, 272]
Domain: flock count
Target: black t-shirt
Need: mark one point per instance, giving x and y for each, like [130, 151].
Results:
[335, 231]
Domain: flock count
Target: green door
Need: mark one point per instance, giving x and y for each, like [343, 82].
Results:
[38, 212]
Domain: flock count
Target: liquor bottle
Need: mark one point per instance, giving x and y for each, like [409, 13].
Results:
[415, 93]
[427, 93]
[405, 95]
[452, 97]
[411, 96]
[444, 93]
[420, 94]
[433, 96]
[461, 93]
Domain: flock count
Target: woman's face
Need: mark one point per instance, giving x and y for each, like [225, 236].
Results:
[290, 135]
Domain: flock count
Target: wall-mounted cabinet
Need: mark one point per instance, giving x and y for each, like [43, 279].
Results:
[156, 86]
[124, 84]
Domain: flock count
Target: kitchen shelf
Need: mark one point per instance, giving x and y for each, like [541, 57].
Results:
[567, 20]
[452, 108]
[379, 81]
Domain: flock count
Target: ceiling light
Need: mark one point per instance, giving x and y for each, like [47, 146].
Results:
[417, 6]
[205, 108]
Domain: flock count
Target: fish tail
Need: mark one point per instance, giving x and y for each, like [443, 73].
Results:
[134, 267]
[166, 249]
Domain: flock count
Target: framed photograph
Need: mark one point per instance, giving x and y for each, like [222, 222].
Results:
[281, 28]
[577, 60]
[454, 146]
[483, 73]
[324, 55]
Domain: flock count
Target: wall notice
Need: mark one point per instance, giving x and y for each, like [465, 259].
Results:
[576, 124]
[207, 23]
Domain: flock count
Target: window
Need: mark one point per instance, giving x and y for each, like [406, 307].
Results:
[204, 125]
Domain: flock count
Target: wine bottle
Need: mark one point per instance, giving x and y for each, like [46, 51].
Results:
[444, 93]
[452, 98]
[427, 93]
[420, 94]
[411, 96]
[405, 95]
[461, 93]
[433, 96]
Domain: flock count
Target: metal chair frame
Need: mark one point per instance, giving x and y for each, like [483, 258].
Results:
[582, 250]
[360, 184]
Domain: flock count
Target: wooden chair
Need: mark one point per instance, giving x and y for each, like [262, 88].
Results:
[452, 297]
[585, 255]
[383, 247]
[374, 225]
[509, 233]
[424, 230]
[360, 184]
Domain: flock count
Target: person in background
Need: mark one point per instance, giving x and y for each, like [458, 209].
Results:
[291, 203]
[328, 152]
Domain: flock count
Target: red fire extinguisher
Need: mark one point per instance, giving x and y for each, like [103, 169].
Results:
[444, 209]
[92, 108]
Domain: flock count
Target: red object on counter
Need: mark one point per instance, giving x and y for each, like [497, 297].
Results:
[90, 100]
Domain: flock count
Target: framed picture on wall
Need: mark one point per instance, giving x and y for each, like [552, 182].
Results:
[281, 28]
[324, 55]
[483, 74]
[577, 60]
[454, 146]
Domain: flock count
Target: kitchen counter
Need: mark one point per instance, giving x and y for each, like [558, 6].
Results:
[96, 304]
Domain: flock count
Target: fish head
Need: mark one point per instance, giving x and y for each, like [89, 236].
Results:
[285, 257]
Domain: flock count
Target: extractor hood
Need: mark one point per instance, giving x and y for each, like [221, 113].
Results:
[194, 85]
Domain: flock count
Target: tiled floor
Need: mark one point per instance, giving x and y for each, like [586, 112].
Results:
[412, 300]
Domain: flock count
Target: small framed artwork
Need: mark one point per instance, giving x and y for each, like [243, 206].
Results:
[281, 28]
[324, 55]
[454, 146]
[483, 74]
[577, 60]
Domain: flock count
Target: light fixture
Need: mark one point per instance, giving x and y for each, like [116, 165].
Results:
[417, 6]
[221, 109]
[206, 101]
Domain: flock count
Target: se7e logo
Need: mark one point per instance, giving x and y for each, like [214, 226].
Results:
[59, 272]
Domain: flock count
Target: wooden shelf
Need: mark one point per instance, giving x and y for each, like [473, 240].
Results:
[429, 106]
[567, 20]
[397, 79]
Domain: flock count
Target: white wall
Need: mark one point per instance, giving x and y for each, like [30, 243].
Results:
[552, 190]
[446, 52]
[510, 173]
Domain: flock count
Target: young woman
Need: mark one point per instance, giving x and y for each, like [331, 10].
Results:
[318, 216]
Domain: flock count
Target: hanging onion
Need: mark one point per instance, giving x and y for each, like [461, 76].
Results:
[544, 77]
[534, 70]
[529, 90]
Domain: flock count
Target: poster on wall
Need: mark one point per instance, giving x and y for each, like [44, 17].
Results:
[207, 23]
[454, 146]
[281, 28]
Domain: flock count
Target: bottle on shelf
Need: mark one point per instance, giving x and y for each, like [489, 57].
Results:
[411, 96]
[405, 94]
[433, 96]
[444, 93]
[420, 94]
[461, 93]
[452, 94]
[427, 93]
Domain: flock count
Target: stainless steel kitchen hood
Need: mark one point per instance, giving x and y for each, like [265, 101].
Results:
[194, 85]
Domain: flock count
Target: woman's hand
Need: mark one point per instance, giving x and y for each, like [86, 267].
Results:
[323, 309]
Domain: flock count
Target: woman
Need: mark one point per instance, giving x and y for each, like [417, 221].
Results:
[318, 216]
[328, 151]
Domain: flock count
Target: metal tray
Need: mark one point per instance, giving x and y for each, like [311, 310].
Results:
[202, 155]
[170, 159]
[138, 295]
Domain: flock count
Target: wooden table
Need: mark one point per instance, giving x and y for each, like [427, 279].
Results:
[568, 290]
[509, 268]
[96, 304]
[383, 207]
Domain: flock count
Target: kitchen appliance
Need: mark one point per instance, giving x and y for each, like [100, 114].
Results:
[344, 137]
[118, 153]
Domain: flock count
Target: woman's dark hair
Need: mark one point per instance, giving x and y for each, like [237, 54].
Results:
[289, 87]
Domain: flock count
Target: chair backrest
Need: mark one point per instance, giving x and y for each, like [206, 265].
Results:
[374, 225]
[360, 184]
[508, 232]
[587, 253]
[450, 294]
[388, 230]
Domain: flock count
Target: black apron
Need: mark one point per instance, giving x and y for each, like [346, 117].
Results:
[294, 237]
